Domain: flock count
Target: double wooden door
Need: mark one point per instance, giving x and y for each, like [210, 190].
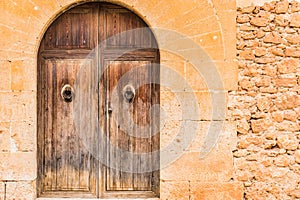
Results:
[98, 82]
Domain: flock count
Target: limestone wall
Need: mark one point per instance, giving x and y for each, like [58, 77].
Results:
[210, 24]
[266, 105]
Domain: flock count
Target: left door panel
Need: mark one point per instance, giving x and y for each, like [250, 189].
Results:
[70, 126]
[68, 105]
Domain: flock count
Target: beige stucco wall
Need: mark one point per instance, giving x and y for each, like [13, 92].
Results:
[210, 24]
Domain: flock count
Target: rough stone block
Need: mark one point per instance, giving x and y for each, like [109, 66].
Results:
[197, 76]
[247, 55]
[210, 39]
[171, 105]
[216, 166]
[194, 78]
[18, 166]
[281, 20]
[194, 105]
[189, 48]
[203, 26]
[287, 142]
[182, 14]
[44, 8]
[23, 75]
[274, 38]
[259, 21]
[213, 191]
[287, 66]
[11, 39]
[169, 130]
[293, 39]
[211, 76]
[226, 134]
[218, 75]
[64, 3]
[18, 106]
[5, 74]
[144, 7]
[260, 51]
[215, 52]
[297, 156]
[177, 137]
[243, 18]
[4, 136]
[24, 9]
[177, 190]
[295, 6]
[166, 55]
[248, 35]
[295, 20]
[18, 54]
[172, 75]
[285, 82]
[211, 105]
[282, 7]
[191, 136]
[23, 190]
[292, 52]
[23, 136]
[224, 5]
[229, 73]
[227, 19]
[260, 125]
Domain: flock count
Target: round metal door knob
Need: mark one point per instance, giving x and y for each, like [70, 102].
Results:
[129, 93]
[67, 93]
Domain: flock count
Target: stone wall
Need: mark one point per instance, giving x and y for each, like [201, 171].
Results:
[266, 105]
[210, 24]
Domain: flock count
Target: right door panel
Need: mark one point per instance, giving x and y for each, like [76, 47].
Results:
[129, 126]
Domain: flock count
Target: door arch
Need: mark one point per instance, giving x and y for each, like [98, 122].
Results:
[97, 81]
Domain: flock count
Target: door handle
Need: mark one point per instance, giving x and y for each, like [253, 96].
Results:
[129, 93]
[67, 93]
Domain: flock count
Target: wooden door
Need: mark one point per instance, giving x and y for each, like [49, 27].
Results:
[90, 58]
[66, 84]
[131, 132]
[128, 56]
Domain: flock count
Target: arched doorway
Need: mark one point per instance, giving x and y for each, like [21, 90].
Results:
[97, 82]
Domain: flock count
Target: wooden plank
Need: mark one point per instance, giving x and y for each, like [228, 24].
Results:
[53, 124]
[136, 142]
[155, 127]
[145, 125]
[72, 30]
[125, 123]
[49, 167]
[61, 128]
[41, 78]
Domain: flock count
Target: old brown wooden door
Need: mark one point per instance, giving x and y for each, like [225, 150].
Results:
[97, 84]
